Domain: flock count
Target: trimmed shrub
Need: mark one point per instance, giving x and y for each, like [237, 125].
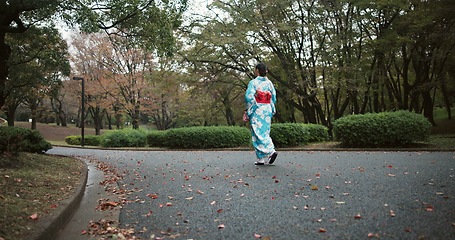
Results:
[124, 138]
[16, 139]
[207, 137]
[156, 138]
[73, 140]
[317, 132]
[381, 129]
[297, 134]
[289, 134]
[89, 140]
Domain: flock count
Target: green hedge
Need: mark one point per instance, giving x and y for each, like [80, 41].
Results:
[156, 138]
[16, 139]
[89, 140]
[316, 132]
[207, 137]
[124, 138]
[283, 135]
[297, 134]
[381, 129]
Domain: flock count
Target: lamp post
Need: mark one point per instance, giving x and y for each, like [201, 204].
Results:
[82, 109]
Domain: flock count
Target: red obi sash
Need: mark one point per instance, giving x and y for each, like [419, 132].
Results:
[263, 97]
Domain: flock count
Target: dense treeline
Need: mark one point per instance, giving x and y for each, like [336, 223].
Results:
[332, 58]
[327, 59]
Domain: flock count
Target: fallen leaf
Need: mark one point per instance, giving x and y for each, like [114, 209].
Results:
[429, 208]
[219, 210]
[322, 230]
[392, 213]
[34, 216]
[357, 216]
[373, 235]
[221, 226]
[314, 187]
[169, 204]
[83, 232]
[200, 192]
[257, 235]
[152, 196]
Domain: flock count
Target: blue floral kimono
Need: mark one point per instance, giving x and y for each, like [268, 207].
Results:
[260, 98]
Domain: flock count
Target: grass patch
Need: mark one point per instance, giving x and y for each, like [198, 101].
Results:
[443, 141]
[33, 184]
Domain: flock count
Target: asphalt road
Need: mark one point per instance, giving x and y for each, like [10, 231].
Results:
[304, 195]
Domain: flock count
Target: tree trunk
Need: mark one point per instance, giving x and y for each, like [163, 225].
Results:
[428, 106]
[446, 96]
[5, 52]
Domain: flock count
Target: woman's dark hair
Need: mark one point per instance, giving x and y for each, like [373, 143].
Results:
[262, 68]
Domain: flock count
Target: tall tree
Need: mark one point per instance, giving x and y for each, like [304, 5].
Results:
[357, 56]
[148, 21]
[38, 64]
[116, 71]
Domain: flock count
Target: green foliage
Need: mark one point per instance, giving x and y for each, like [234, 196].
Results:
[317, 132]
[156, 138]
[15, 139]
[297, 134]
[381, 129]
[89, 140]
[124, 138]
[288, 134]
[207, 137]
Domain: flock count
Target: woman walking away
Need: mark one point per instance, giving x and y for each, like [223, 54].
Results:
[260, 98]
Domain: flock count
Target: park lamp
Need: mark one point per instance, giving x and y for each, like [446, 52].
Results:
[82, 108]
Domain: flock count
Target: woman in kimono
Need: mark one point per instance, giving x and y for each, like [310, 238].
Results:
[260, 98]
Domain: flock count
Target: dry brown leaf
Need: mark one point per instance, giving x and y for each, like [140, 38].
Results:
[34, 216]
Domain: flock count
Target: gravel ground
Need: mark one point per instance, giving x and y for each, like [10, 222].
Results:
[304, 195]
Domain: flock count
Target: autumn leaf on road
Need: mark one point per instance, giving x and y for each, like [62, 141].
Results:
[392, 213]
[429, 208]
[373, 235]
[152, 196]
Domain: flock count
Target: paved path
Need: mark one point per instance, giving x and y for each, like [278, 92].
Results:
[304, 195]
